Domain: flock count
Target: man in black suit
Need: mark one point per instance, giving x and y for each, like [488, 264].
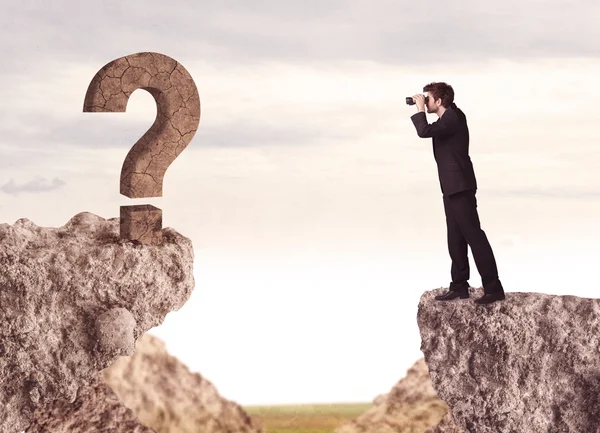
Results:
[450, 135]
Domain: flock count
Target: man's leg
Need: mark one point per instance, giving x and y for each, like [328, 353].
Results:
[463, 206]
[457, 247]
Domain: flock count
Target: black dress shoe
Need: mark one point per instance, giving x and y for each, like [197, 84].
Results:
[452, 294]
[490, 297]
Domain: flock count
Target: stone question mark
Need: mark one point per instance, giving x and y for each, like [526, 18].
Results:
[177, 118]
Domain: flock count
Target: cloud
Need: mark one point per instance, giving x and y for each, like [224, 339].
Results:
[287, 105]
[414, 34]
[37, 185]
[101, 134]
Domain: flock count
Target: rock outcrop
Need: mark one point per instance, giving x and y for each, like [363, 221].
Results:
[446, 425]
[96, 409]
[72, 300]
[411, 406]
[528, 363]
[162, 394]
[165, 395]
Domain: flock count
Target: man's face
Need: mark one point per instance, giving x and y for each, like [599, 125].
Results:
[432, 106]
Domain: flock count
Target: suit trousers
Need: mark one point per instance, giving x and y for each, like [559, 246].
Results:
[464, 228]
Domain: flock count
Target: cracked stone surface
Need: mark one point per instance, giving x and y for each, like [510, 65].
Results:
[411, 406]
[177, 119]
[177, 114]
[165, 395]
[96, 409]
[529, 363]
[72, 300]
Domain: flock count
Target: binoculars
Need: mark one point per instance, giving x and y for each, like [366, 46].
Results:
[410, 101]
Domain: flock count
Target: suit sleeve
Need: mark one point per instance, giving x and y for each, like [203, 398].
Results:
[445, 125]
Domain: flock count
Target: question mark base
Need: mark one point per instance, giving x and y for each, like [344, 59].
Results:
[142, 223]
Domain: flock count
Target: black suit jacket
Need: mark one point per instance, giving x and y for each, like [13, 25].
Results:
[450, 135]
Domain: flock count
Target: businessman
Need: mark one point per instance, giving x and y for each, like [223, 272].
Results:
[450, 136]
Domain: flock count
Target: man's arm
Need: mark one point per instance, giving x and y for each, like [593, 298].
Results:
[445, 125]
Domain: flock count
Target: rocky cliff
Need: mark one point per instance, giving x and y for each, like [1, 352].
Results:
[529, 363]
[411, 406]
[165, 395]
[72, 300]
[97, 409]
[161, 392]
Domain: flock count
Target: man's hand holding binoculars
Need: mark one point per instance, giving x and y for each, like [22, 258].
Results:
[420, 101]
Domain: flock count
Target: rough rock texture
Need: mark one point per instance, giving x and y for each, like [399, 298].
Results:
[96, 409]
[529, 363]
[177, 114]
[177, 119]
[446, 425]
[411, 406]
[165, 395]
[73, 299]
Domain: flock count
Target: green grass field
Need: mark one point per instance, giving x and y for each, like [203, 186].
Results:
[306, 418]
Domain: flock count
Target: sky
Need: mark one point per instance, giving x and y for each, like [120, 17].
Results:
[314, 209]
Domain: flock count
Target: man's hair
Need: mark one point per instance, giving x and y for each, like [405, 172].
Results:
[441, 91]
